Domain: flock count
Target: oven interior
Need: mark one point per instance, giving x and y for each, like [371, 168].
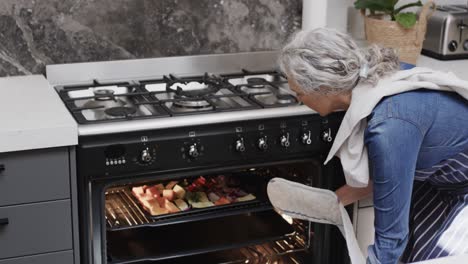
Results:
[242, 231]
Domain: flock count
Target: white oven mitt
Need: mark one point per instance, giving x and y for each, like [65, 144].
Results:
[315, 205]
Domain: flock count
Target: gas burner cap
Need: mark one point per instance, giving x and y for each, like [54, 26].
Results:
[190, 103]
[120, 111]
[256, 82]
[285, 99]
[253, 80]
[103, 94]
[254, 90]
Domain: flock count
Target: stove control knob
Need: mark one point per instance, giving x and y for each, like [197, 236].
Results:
[240, 146]
[465, 45]
[262, 143]
[307, 138]
[326, 136]
[284, 141]
[146, 156]
[193, 151]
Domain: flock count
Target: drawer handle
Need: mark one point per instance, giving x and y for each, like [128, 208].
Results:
[2, 168]
[4, 221]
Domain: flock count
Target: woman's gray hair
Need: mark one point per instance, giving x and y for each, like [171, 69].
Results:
[327, 61]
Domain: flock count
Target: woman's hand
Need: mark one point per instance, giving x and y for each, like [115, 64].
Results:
[348, 195]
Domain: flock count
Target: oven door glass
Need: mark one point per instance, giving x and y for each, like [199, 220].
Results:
[214, 216]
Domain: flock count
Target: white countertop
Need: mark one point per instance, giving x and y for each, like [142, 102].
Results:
[459, 67]
[32, 116]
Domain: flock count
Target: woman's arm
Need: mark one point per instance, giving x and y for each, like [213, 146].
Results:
[348, 195]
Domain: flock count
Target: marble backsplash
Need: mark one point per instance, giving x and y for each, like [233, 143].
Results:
[34, 33]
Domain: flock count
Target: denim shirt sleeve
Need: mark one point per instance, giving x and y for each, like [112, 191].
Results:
[393, 146]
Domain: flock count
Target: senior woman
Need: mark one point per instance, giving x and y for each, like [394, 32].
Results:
[405, 130]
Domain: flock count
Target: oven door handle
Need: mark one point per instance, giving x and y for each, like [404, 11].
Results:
[4, 221]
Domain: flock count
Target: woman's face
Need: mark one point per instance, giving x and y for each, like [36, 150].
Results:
[321, 103]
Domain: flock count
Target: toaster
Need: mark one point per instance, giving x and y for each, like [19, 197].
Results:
[447, 33]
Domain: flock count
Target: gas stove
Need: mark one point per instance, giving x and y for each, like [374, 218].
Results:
[188, 121]
[124, 96]
[174, 96]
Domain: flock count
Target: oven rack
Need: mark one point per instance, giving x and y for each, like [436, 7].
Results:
[183, 240]
[281, 251]
[123, 212]
[290, 250]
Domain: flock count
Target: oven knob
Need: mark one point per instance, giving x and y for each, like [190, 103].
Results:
[306, 138]
[453, 45]
[240, 147]
[465, 45]
[326, 135]
[262, 143]
[145, 156]
[193, 151]
[284, 140]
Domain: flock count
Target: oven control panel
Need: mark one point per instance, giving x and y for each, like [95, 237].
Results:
[208, 145]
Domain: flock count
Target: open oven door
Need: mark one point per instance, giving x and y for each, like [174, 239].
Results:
[241, 231]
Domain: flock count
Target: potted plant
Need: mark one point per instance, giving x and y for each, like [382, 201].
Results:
[395, 27]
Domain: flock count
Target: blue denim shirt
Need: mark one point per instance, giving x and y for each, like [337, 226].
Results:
[405, 132]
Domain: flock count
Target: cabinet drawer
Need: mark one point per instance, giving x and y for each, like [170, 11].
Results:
[63, 257]
[33, 176]
[35, 228]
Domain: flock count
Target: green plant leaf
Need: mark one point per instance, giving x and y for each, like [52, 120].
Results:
[407, 20]
[376, 5]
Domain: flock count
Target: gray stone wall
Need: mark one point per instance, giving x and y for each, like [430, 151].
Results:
[34, 33]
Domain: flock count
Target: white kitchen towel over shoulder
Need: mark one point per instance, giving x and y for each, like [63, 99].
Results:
[349, 141]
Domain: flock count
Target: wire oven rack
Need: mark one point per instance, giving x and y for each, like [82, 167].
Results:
[123, 212]
[291, 250]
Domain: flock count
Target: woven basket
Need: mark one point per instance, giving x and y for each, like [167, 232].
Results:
[407, 42]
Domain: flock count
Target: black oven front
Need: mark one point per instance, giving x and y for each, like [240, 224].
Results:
[198, 194]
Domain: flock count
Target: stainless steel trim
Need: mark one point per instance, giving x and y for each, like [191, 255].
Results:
[191, 120]
[140, 69]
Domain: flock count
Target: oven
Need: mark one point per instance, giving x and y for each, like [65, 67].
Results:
[175, 154]
[116, 227]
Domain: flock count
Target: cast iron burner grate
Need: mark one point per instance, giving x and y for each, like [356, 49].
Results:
[207, 85]
[174, 96]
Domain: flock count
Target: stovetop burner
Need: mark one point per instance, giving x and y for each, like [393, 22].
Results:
[172, 96]
[120, 111]
[285, 98]
[190, 103]
[256, 82]
[104, 94]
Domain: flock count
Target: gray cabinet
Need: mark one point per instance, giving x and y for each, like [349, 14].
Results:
[35, 228]
[33, 176]
[49, 258]
[36, 216]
